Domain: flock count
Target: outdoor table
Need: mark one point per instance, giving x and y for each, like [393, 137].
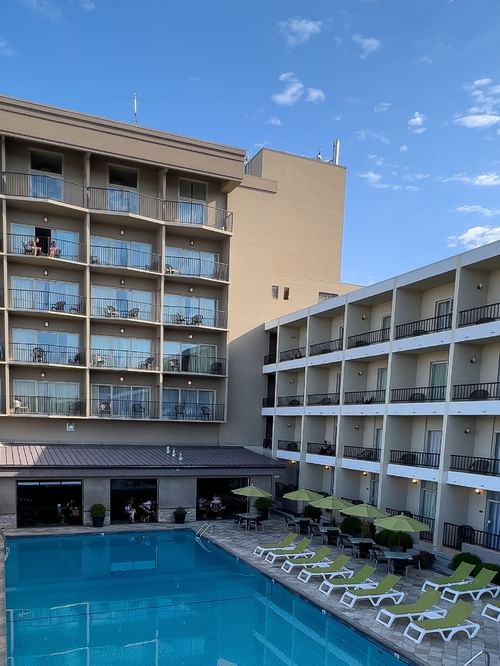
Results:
[357, 540]
[247, 518]
[329, 533]
[392, 555]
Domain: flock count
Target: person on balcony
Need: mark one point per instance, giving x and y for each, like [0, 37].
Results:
[54, 251]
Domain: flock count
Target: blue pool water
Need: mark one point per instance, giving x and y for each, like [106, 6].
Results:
[161, 599]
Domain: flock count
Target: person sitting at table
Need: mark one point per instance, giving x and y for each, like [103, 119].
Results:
[203, 507]
[216, 506]
[130, 510]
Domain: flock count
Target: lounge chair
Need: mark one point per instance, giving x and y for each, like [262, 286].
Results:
[476, 588]
[447, 626]
[492, 611]
[335, 568]
[300, 550]
[359, 578]
[285, 542]
[319, 556]
[415, 611]
[460, 575]
[375, 595]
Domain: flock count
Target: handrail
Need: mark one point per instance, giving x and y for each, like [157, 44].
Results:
[481, 652]
[206, 527]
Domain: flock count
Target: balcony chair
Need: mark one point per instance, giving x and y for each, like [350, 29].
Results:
[111, 311]
[19, 406]
[325, 401]
[367, 454]
[138, 410]
[361, 343]
[407, 459]
[417, 397]
[39, 355]
[174, 365]
[294, 403]
[76, 359]
[104, 408]
[28, 247]
[216, 368]
[205, 413]
[479, 394]
[179, 318]
[60, 306]
[75, 408]
[484, 320]
[133, 313]
[171, 270]
[147, 364]
[480, 466]
[179, 411]
[197, 320]
[368, 399]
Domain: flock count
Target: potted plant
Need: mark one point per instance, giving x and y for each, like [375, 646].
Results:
[263, 504]
[180, 515]
[98, 512]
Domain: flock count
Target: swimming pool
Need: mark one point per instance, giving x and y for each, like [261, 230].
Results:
[161, 598]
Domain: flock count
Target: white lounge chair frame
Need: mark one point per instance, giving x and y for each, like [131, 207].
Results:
[453, 593]
[327, 588]
[417, 634]
[305, 574]
[387, 617]
[492, 612]
[261, 550]
[349, 599]
[274, 555]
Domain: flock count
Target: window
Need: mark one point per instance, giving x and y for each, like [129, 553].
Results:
[377, 438]
[200, 263]
[275, 291]
[122, 177]
[122, 194]
[381, 378]
[120, 252]
[191, 357]
[48, 346]
[433, 441]
[192, 205]
[325, 295]
[190, 189]
[191, 310]
[437, 380]
[442, 312]
[121, 352]
[386, 327]
[130, 401]
[119, 302]
[43, 397]
[46, 162]
[41, 294]
[286, 293]
[188, 403]
[45, 179]
[428, 496]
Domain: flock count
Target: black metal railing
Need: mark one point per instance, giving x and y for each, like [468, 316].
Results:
[193, 316]
[370, 338]
[44, 301]
[325, 347]
[291, 401]
[323, 399]
[24, 352]
[362, 453]
[289, 354]
[192, 411]
[270, 358]
[424, 536]
[40, 186]
[456, 535]
[46, 405]
[418, 394]
[126, 409]
[123, 358]
[321, 449]
[288, 445]
[203, 365]
[479, 391]
[424, 326]
[45, 247]
[364, 397]
[475, 465]
[414, 458]
[267, 402]
[480, 315]
[122, 308]
[124, 258]
[193, 267]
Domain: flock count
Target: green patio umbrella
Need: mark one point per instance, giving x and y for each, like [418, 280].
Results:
[331, 503]
[401, 523]
[364, 511]
[251, 491]
[303, 495]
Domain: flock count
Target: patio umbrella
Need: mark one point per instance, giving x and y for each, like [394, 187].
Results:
[331, 503]
[401, 523]
[251, 491]
[364, 511]
[303, 495]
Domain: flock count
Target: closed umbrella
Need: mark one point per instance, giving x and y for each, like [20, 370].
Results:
[331, 503]
[251, 491]
[401, 523]
[303, 495]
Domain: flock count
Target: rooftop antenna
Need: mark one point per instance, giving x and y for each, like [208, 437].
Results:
[134, 104]
[336, 152]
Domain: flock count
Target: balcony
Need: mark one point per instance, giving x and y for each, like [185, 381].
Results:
[123, 359]
[291, 401]
[193, 316]
[23, 352]
[124, 409]
[124, 258]
[481, 391]
[122, 308]
[370, 338]
[364, 397]
[325, 347]
[362, 453]
[209, 365]
[24, 246]
[321, 449]
[39, 186]
[270, 358]
[481, 315]
[424, 536]
[424, 326]
[288, 445]
[475, 465]
[290, 354]
[420, 394]
[173, 411]
[323, 399]
[414, 458]
[456, 535]
[46, 406]
[192, 267]
[43, 301]
[267, 402]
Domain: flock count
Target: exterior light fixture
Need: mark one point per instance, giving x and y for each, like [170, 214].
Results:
[293, 336]
[480, 285]
[473, 360]
[122, 232]
[478, 491]
[360, 372]
[291, 381]
[327, 467]
[45, 219]
[191, 243]
[122, 281]
[122, 330]
[45, 272]
[466, 431]
[189, 382]
[363, 317]
[122, 378]
[191, 290]
[364, 473]
[289, 425]
[190, 336]
[414, 481]
[292, 462]
[46, 324]
[42, 374]
[356, 427]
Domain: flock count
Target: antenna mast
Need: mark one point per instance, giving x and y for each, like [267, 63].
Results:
[134, 105]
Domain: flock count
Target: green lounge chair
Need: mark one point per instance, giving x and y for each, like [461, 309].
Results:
[415, 611]
[335, 568]
[460, 575]
[375, 595]
[492, 611]
[359, 578]
[285, 542]
[320, 555]
[454, 621]
[476, 588]
[300, 550]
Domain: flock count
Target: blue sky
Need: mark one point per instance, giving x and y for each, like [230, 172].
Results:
[410, 87]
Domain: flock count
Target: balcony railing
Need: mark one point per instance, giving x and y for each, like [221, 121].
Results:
[323, 399]
[267, 402]
[456, 535]
[289, 354]
[270, 358]
[267, 443]
[203, 365]
[362, 453]
[40, 186]
[481, 391]
[46, 406]
[288, 445]
[325, 347]
[24, 352]
[126, 409]
[414, 458]
[43, 301]
[192, 412]
[424, 326]
[364, 397]
[291, 401]
[192, 267]
[122, 358]
[61, 249]
[481, 315]
[475, 465]
[321, 449]
[424, 536]
[193, 316]
[124, 258]
[420, 394]
[122, 308]
[370, 338]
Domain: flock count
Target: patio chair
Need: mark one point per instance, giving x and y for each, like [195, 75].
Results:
[147, 364]
[111, 311]
[179, 318]
[415, 611]
[197, 319]
[377, 556]
[344, 542]
[205, 413]
[75, 408]
[104, 408]
[492, 611]
[39, 354]
[59, 306]
[138, 410]
[480, 585]
[361, 577]
[327, 570]
[133, 313]
[76, 359]
[460, 575]
[479, 394]
[375, 595]
[300, 550]
[216, 368]
[321, 555]
[285, 542]
[315, 532]
[447, 626]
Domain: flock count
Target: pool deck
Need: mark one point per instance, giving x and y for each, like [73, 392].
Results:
[241, 543]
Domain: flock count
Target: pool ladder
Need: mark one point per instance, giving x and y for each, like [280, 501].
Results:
[486, 656]
[206, 527]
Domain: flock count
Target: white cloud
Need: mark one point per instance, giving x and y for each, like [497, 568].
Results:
[417, 122]
[478, 120]
[403, 148]
[475, 237]
[5, 48]
[44, 7]
[491, 179]
[484, 112]
[298, 30]
[292, 91]
[424, 60]
[376, 159]
[368, 45]
[480, 83]
[364, 134]
[375, 180]
[382, 107]
[273, 120]
[371, 177]
[315, 95]
[412, 177]
[477, 210]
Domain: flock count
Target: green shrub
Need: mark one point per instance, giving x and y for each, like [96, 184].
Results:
[180, 509]
[400, 540]
[262, 503]
[351, 525]
[492, 567]
[382, 537]
[312, 512]
[465, 557]
[97, 510]
[426, 559]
